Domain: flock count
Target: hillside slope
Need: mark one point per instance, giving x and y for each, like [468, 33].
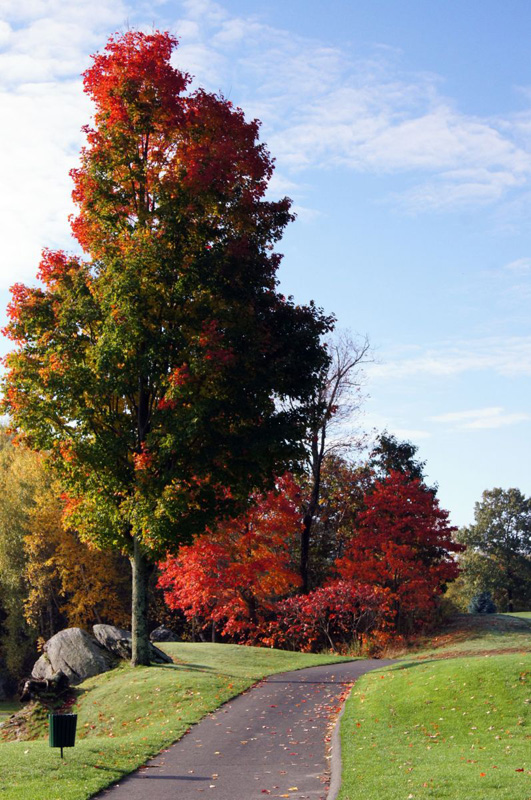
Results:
[451, 721]
[127, 715]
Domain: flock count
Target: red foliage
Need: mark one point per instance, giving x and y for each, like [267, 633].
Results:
[331, 616]
[233, 575]
[163, 147]
[403, 545]
[54, 265]
[150, 80]
[143, 461]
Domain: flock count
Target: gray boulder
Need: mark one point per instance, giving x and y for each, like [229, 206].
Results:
[74, 652]
[119, 642]
[163, 634]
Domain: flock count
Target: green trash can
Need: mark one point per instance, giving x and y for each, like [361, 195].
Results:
[62, 729]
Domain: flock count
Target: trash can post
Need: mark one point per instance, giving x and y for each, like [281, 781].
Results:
[62, 730]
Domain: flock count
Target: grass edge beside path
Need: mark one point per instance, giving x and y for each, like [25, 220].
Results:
[450, 722]
[128, 715]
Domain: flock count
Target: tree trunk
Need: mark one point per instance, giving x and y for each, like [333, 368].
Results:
[306, 532]
[139, 625]
[305, 549]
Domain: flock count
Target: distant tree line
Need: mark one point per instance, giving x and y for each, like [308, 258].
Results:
[497, 559]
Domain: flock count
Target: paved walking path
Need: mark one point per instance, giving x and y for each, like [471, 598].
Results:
[268, 742]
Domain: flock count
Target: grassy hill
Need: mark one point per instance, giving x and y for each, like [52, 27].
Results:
[452, 720]
[475, 634]
[127, 715]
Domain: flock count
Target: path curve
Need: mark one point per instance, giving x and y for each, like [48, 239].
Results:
[267, 742]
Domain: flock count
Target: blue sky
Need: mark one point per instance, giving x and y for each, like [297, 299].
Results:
[402, 131]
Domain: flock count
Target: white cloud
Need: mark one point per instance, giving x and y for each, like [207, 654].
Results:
[198, 59]
[43, 108]
[521, 266]
[305, 214]
[188, 30]
[5, 33]
[410, 434]
[509, 357]
[377, 422]
[481, 418]
[320, 106]
[205, 11]
[41, 130]
[456, 188]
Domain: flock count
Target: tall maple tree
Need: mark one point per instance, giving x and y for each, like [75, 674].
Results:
[162, 372]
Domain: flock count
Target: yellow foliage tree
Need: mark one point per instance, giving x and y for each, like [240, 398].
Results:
[68, 576]
[49, 578]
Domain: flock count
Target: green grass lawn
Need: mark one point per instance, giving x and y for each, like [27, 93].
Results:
[127, 715]
[522, 614]
[469, 634]
[447, 728]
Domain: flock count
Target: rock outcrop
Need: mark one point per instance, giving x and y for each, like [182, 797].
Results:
[163, 634]
[119, 642]
[78, 655]
[74, 652]
[45, 689]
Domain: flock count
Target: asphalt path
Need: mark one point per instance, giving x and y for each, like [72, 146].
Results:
[272, 741]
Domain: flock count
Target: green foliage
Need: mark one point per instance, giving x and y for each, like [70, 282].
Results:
[391, 455]
[20, 480]
[49, 579]
[165, 375]
[498, 557]
[70, 583]
[482, 603]
[342, 489]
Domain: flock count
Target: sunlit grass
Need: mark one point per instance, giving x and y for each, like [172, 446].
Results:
[453, 729]
[127, 715]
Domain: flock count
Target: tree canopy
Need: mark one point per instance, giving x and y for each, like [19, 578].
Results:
[403, 543]
[390, 454]
[498, 558]
[162, 372]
